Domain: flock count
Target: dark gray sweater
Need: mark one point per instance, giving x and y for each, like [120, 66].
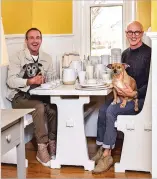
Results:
[139, 61]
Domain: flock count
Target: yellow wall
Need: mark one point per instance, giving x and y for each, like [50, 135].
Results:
[4, 54]
[50, 16]
[143, 13]
[154, 15]
[56, 17]
[17, 15]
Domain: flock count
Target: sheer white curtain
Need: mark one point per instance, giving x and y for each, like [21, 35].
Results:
[4, 53]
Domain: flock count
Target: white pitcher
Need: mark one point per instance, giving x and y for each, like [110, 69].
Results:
[69, 76]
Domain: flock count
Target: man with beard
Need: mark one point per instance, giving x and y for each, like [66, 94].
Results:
[18, 88]
[138, 57]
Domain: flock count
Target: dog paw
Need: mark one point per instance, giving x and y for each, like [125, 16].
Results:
[122, 105]
[136, 109]
[114, 102]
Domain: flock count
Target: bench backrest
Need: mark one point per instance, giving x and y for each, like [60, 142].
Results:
[4, 102]
[147, 108]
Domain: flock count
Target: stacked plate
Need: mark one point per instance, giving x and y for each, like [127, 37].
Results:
[48, 86]
[92, 87]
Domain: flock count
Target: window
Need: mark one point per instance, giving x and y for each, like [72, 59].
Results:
[103, 24]
[105, 29]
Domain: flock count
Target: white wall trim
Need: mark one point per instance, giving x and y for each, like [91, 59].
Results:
[19, 36]
[152, 35]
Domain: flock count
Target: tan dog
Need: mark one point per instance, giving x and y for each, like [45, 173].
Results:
[119, 79]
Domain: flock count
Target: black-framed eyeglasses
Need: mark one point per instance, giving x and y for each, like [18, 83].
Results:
[130, 33]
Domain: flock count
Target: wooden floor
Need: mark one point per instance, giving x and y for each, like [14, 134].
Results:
[36, 170]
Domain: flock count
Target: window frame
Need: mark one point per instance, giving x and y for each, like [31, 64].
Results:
[128, 14]
[108, 5]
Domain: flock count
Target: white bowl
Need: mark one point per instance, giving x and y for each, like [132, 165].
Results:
[46, 85]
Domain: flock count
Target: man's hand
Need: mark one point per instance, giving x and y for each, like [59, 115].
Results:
[35, 80]
[126, 92]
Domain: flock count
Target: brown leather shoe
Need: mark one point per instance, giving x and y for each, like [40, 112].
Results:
[103, 165]
[52, 148]
[98, 155]
[42, 155]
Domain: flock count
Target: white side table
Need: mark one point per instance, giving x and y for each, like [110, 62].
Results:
[12, 134]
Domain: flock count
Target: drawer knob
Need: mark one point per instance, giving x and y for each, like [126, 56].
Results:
[8, 138]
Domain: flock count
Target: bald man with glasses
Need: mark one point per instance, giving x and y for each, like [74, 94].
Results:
[138, 57]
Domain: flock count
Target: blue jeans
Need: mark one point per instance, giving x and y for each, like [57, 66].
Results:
[106, 132]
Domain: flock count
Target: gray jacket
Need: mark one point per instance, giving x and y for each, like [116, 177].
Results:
[15, 82]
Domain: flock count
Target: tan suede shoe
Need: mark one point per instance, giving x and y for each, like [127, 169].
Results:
[42, 155]
[103, 165]
[98, 155]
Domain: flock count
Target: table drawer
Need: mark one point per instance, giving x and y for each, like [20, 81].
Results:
[10, 138]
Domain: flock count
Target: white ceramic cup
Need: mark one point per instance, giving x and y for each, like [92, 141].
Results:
[90, 71]
[105, 59]
[82, 76]
[106, 76]
[115, 51]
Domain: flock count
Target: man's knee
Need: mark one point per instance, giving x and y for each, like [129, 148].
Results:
[50, 110]
[111, 113]
[40, 108]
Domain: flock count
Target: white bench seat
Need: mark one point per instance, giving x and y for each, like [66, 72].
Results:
[137, 146]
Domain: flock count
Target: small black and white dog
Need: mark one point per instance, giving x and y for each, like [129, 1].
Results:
[31, 70]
